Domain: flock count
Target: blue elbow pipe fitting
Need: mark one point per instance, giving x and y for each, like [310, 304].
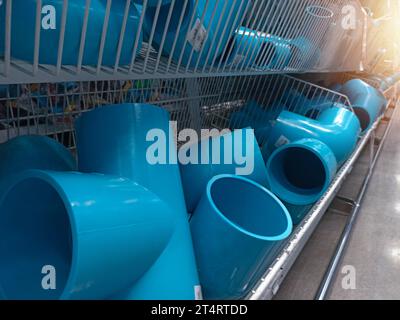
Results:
[32, 152]
[236, 152]
[337, 127]
[300, 172]
[200, 37]
[135, 141]
[250, 48]
[235, 227]
[23, 27]
[368, 103]
[94, 233]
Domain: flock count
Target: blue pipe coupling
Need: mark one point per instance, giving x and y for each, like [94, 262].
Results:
[136, 141]
[300, 172]
[236, 225]
[251, 48]
[23, 26]
[336, 127]
[84, 236]
[194, 34]
[32, 152]
[235, 152]
[368, 103]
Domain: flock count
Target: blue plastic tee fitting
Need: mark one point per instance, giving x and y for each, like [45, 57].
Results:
[24, 21]
[32, 152]
[135, 141]
[250, 48]
[201, 36]
[236, 226]
[94, 235]
[236, 152]
[368, 103]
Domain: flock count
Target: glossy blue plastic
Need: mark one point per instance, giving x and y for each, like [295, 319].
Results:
[208, 38]
[99, 233]
[305, 54]
[23, 27]
[235, 227]
[338, 128]
[32, 152]
[261, 51]
[368, 103]
[152, 3]
[117, 140]
[236, 152]
[300, 172]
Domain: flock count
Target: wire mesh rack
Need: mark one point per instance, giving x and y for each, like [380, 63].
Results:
[76, 40]
[197, 103]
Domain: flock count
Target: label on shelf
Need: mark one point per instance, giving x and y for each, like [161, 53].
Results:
[197, 35]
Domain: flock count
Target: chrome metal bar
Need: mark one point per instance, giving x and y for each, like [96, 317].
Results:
[331, 271]
[7, 38]
[62, 36]
[83, 37]
[38, 16]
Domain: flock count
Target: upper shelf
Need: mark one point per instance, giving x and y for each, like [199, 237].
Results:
[79, 40]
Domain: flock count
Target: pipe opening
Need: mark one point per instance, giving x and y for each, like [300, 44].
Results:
[249, 207]
[266, 54]
[363, 116]
[299, 171]
[35, 232]
[175, 17]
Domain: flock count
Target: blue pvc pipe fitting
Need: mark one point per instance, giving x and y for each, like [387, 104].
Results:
[250, 48]
[337, 127]
[193, 38]
[23, 27]
[368, 103]
[236, 152]
[32, 152]
[125, 140]
[300, 172]
[236, 225]
[95, 234]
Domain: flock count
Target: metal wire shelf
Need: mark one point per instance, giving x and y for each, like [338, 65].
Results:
[120, 40]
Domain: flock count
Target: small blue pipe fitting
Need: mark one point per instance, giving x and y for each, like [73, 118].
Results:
[23, 27]
[125, 140]
[236, 225]
[251, 48]
[96, 234]
[368, 103]
[337, 127]
[300, 172]
[32, 152]
[193, 39]
[236, 152]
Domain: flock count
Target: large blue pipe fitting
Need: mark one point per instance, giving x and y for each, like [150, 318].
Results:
[250, 48]
[124, 140]
[224, 155]
[201, 37]
[300, 172]
[94, 235]
[337, 127]
[236, 225]
[368, 103]
[32, 152]
[24, 21]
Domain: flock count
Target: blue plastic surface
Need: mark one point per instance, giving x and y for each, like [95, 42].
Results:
[99, 233]
[301, 171]
[305, 54]
[337, 127]
[112, 140]
[198, 39]
[265, 51]
[32, 152]
[23, 27]
[236, 225]
[196, 176]
[368, 103]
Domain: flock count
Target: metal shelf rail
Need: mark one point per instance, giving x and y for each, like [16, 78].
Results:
[182, 39]
[269, 284]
